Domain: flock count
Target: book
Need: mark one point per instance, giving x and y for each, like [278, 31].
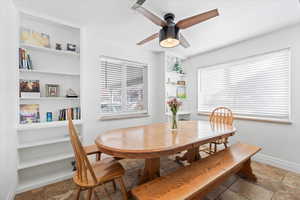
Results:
[25, 61]
[75, 113]
[29, 113]
[30, 88]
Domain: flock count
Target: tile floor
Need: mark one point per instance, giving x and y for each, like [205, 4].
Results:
[272, 184]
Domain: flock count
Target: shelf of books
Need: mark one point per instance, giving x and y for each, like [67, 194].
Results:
[49, 85]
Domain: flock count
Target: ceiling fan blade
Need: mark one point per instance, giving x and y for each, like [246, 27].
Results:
[186, 23]
[148, 39]
[184, 42]
[151, 16]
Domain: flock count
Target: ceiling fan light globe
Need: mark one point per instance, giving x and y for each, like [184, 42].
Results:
[169, 43]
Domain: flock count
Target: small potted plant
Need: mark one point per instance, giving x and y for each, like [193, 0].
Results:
[174, 105]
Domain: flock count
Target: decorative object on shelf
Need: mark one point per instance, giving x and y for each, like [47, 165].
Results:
[49, 117]
[29, 113]
[71, 47]
[32, 37]
[58, 46]
[174, 105]
[181, 92]
[30, 88]
[177, 66]
[52, 90]
[71, 94]
[181, 83]
[24, 59]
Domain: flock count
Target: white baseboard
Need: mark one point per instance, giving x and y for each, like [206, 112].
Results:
[276, 162]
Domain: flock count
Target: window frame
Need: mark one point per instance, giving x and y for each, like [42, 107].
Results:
[245, 117]
[126, 115]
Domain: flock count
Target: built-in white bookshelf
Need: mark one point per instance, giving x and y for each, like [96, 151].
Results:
[44, 148]
[174, 86]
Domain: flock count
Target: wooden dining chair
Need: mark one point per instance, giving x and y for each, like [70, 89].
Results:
[90, 175]
[220, 116]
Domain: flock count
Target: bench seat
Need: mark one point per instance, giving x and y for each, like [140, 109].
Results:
[201, 177]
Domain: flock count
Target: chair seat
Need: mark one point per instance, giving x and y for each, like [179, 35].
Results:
[105, 170]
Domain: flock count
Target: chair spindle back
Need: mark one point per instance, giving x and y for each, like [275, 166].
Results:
[221, 115]
[84, 170]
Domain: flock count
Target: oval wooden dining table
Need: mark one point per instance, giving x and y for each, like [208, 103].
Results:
[150, 142]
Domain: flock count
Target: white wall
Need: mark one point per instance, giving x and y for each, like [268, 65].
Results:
[8, 102]
[95, 42]
[280, 142]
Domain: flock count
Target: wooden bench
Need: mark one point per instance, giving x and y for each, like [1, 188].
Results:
[201, 177]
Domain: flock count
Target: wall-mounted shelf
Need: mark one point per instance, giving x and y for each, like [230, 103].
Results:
[48, 72]
[50, 98]
[59, 52]
[43, 161]
[54, 124]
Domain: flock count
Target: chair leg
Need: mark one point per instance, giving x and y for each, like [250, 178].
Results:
[215, 149]
[210, 148]
[90, 194]
[123, 188]
[98, 156]
[78, 194]
[225, 144]
[114, 185]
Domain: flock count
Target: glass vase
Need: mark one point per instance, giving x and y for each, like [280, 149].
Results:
[173, 121]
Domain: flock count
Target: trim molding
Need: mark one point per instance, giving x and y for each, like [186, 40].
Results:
[276, 162]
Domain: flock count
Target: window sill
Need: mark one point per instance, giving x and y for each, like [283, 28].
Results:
[258, 119]
[123, 116]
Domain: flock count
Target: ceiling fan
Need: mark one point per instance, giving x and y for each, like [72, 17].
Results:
[170, 36]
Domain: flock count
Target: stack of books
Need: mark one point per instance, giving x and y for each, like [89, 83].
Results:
[24, 59]
[76, 114]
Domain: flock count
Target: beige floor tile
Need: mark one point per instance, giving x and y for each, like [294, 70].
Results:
[292, 180]
[287, 194]
[268, 172]
[216, 193]
[229, 195]
[250, 190]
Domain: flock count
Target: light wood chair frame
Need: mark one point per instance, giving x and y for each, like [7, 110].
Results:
[220, 116]
[84, 167]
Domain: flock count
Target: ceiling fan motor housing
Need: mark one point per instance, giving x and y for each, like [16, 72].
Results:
[171, 31]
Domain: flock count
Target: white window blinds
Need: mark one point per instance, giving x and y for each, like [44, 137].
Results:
[123, 87]
[258, 86]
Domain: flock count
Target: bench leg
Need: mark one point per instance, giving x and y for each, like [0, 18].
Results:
[246, 172]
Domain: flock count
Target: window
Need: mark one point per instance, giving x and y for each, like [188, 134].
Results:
[255, 87]
[123, 87]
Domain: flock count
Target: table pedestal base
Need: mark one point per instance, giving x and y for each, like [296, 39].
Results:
[151, 170]
[190, 156]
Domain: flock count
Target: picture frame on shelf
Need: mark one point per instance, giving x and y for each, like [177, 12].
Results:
[28, 36]
[29, 113]
[30, 88]
[52, 90]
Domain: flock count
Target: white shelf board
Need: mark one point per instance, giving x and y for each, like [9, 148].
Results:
[43, 181]
[49, 98]
[41, 143]
[50, 50]
[41, 125]
[43, 161]
[48, 72]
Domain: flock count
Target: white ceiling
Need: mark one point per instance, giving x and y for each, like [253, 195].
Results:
[238, 20]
